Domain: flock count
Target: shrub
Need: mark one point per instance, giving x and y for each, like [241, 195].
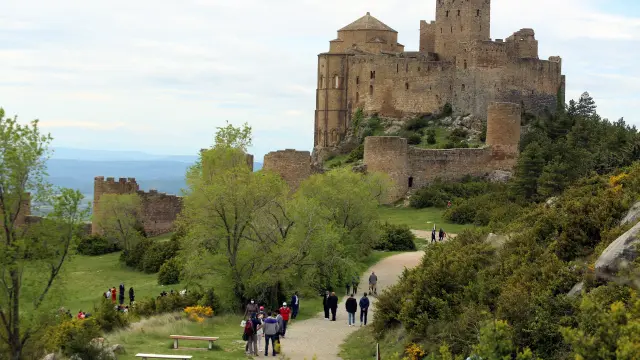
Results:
[356, 154]
[396, 238]
[440, 193]
[174, 302]
[416, 124]
[97, 245]
[431, 136]
[72, 336]
[170, 272]
[447, 110]
[412, 137]
[108, 318]
[157, 254]
[458, 134]
[134, 257]
[198, 313]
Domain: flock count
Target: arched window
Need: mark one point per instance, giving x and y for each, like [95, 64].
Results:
[458, 12]
[373, 74]
[410, 182]
[447, 13]
[336, 82]
[370, 90]
[406, 86]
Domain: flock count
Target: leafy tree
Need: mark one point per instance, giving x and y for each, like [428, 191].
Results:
[118, 218]
[38, 251]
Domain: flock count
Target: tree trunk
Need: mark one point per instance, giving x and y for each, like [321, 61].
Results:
[14, 337]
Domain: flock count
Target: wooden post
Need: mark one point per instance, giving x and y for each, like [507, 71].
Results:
[175, 343]
[210, 344]
[377, 351]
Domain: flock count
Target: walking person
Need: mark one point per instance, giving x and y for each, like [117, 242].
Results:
[252, 307]
[132, 296]
[433, 235]
[351, 306]
[364, 309]
[348, 287]
[333, 305]
[260, 331]
[325, 304]
[441, 235]
[355, 281]
[270, 332]
[373, 282]
[121, 293]
[250, 334]
[285, 312]
[113, 295]
[295, 305]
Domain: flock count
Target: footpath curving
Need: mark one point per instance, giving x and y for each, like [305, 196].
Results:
[322, 338]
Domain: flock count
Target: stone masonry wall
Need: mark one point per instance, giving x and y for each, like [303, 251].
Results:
[293, 166]
[159, 211]
[425, 165]
[388, 155]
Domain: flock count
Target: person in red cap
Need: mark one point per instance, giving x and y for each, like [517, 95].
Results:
[285, 311]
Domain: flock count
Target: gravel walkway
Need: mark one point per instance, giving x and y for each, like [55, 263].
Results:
[322, 338]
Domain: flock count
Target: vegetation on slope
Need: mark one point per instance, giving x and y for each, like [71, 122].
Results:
[470, 296]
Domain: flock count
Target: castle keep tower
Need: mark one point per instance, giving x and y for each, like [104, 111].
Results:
[110, 186]
[460, 21]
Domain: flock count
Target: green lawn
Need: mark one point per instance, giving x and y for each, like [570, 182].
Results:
[419, 219]
[362, 345]
[88, 277]
[152, 336]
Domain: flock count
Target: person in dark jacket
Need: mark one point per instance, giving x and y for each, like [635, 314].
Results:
[333, 305]
[295, 305]
[351, 307]
[121, 294]
[355, 281]
[132, 296]
[364, 308]
[325, 304]
[271, 330]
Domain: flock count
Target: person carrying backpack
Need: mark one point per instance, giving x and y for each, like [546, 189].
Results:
[249, 336]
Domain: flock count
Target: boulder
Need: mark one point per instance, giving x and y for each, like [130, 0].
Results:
[618, 255]
[495, 240]
[117, 349]
[551, 202]
[499, 176]
[51, 356]
[576, 289]
[633, 216]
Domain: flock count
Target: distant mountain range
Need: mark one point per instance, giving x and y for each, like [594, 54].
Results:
[76, 168]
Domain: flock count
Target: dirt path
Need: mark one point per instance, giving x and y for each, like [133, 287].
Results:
[426, 234]
[322, 338]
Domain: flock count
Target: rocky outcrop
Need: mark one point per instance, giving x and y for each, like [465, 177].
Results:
[497, 241]
[576, 289]
[633, 216]
[619, 254]
[499, 176]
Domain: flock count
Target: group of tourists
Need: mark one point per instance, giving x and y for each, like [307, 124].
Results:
[269, 326]
[114, 294]
[330, 303]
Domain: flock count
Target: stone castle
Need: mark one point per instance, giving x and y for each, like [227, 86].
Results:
[457, 64]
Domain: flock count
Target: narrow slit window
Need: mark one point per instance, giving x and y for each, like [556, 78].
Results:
[477, 12]
[370, 90]
[406, 86]
[336, 82]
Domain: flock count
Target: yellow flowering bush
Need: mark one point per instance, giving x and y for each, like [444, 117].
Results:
[198, 313]
[414, 352]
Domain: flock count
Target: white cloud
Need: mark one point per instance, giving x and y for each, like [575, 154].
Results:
[174, 71]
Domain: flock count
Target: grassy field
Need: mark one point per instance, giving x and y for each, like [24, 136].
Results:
[88, 277]
[362, 345]
[419, 219]
[152, 336]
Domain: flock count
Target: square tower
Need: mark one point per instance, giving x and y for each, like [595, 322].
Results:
[460, 21]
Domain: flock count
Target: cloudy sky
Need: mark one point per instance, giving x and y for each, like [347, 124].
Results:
[160, 76]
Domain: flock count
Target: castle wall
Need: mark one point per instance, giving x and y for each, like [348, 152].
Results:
[293, 166]
[332, 114]
[427, 37]
[503, 134]
[388, 155]
[159, 211]
[425, 165]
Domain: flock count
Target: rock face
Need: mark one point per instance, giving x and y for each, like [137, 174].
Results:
[618, 255]
[117, 349]
[577, 289]
[633, 216]
[499, 176]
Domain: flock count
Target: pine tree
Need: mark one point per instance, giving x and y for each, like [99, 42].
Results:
[528, 169]
[586, 106]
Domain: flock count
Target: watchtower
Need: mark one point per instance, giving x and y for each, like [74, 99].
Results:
[460, 21]
[109, 186]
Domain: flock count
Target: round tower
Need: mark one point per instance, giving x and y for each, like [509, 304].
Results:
[388, 155]
[503, 131]
[293, 166]
[460, 21]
